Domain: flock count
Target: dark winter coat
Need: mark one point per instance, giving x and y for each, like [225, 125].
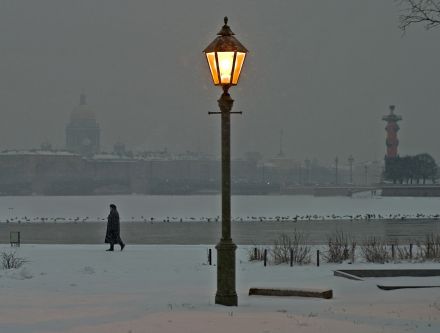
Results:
[112, 235]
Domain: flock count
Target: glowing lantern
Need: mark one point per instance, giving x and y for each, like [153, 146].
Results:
[225, 57]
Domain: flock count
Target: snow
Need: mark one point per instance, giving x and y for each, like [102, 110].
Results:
[37, 152]
[165, 288]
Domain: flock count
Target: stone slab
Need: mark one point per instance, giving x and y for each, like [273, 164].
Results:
[403, 287]
[371, 273]
[347, 275]
[299, 292]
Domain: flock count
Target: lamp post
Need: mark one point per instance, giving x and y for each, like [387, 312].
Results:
[350, 161]
[309, 171]
[225, 56]
[366, 174]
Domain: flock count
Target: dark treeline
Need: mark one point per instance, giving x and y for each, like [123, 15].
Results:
[411, 169]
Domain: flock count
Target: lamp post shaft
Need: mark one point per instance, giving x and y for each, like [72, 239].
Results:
[225, 103]
[226, 294]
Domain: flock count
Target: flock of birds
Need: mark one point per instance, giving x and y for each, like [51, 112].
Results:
[249, 219]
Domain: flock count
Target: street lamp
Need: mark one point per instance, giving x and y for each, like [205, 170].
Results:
[350, 161]
[225, 56]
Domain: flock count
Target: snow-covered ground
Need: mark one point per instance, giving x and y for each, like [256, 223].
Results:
[163, 288]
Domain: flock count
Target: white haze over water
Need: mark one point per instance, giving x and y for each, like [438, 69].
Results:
[141, 207]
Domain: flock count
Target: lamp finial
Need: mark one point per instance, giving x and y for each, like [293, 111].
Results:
[82, 99]
[226, 30]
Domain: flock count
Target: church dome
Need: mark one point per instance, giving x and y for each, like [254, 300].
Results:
[82, 114]
[82, 132]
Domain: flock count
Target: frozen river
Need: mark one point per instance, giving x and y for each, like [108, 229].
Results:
[257, 219]
[196, 208]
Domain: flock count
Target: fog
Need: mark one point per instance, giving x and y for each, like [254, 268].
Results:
[322, 71]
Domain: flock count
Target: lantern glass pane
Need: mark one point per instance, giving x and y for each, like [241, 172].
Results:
[238, 65]
[225, 61]
[213, 67]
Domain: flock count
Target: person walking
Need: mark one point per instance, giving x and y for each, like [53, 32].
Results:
[112, 236]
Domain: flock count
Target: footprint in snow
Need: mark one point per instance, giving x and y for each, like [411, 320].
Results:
[88, 270]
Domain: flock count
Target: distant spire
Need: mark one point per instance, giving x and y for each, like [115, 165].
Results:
[281, 153]
[83, 99]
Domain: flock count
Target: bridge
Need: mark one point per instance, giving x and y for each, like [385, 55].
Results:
[328, 190]
[386, 190]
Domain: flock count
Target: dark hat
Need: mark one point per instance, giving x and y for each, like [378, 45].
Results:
[113, 206]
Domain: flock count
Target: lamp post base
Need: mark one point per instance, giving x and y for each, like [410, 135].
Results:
[227, 300]
[226, 294]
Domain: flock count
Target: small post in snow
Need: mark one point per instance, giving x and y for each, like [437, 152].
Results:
[317, 258]
[291, 257]
[14, 237]
[209, 257]
[265, 257]
[410, 251]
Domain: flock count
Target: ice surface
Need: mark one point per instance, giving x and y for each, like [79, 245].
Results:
[194, 208]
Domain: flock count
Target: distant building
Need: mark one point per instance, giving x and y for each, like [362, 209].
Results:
[82, 132]
[82, 169]
[119, 149]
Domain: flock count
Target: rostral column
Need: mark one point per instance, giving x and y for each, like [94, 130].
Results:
[392, 128]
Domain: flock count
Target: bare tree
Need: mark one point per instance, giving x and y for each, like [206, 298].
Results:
[426, 12]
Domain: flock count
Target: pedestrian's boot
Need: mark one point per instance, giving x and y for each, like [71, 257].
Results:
[111, 248]
[122, 246]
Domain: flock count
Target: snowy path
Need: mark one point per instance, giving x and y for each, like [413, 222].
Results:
[164, 288]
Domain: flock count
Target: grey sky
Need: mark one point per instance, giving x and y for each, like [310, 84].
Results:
[323, 71]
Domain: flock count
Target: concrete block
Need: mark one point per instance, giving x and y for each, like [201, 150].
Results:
[299, 292]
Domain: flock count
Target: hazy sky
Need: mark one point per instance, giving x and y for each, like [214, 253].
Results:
[322, 71]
